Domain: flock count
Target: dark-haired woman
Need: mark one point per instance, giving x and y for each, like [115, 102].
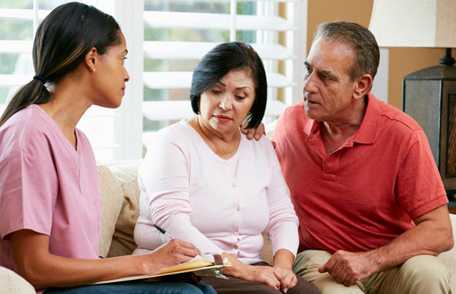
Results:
[202, 181]
[49, 198]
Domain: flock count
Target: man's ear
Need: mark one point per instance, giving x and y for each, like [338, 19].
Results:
[362, 86]
[90, 59]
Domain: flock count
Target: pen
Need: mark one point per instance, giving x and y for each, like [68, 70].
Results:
[161, 230]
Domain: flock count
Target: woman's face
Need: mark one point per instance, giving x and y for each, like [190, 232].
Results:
[111, 75]
[225, 106]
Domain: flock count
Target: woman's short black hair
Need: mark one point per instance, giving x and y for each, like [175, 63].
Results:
[221, 60]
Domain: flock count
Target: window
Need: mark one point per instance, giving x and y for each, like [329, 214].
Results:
[18, 22]
[166, 39]
[178, 33]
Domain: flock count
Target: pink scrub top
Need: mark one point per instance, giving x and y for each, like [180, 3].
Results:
[47, 186]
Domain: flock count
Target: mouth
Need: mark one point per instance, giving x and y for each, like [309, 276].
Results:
[222, 117]
[310, 102]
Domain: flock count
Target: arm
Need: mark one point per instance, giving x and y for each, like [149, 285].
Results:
[430, 236]
[283, 222]
[420, 192]
[39, 267]
[165, 179]
[283, 225]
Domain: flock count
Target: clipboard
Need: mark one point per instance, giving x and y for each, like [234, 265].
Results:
[205, 263]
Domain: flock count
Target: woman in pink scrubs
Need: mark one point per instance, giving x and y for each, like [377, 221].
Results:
[49, 196]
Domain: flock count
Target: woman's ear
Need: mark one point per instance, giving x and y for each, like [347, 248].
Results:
[90, 59]
[362, 86]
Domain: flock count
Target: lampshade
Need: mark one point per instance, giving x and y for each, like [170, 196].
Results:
[414, 23]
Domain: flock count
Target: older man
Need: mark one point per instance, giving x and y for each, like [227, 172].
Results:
[371, 203]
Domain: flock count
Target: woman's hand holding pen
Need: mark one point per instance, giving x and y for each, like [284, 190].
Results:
[172, 253]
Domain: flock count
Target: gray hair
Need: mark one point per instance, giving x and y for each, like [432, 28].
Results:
[362, 41]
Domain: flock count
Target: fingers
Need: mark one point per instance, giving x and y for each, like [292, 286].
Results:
[183, 248]
[286, 277]
[260, 132]
[255, 133]
[270, 279]
[265, 275]
[339, 269]
[176, 251]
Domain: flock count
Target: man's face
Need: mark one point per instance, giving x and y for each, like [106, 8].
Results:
[328, 87]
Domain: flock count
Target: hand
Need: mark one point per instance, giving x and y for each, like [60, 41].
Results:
[172, 253]
[256, 133]
[286, 277]
[349, 267]
[261, 274]
[266, 275]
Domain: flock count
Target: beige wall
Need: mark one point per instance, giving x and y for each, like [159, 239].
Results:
[402, 60]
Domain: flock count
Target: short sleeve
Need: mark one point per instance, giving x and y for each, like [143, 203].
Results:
[419, 186]
[28, 185]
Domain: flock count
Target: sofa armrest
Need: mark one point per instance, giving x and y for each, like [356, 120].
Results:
[12, 283]
[449, 257]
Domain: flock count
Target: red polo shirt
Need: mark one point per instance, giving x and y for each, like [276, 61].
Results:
[366, 193]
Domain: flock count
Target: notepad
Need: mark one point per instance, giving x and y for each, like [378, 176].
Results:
[198, 263]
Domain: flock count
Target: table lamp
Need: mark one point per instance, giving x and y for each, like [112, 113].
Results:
[429, 94]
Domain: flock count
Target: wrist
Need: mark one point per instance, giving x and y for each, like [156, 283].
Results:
[145, 264]
[377, 260]
[283, 259]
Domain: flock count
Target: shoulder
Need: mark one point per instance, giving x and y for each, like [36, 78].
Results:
[294, 113]
[170, 141]
[25, 130]
[397, 123]
[395, 116]
[178, 133]
[291, 124]
[262, 149]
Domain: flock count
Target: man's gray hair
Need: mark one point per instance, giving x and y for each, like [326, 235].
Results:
[361, 40]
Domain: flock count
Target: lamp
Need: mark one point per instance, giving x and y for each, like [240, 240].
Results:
[429, 95]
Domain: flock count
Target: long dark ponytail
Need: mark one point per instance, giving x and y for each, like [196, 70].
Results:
[61, 42]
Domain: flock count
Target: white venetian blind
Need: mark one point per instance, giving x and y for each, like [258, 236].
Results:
[177, 33]
[18, 23]
[166, 39]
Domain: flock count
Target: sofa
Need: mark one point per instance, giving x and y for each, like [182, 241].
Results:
[120, 194]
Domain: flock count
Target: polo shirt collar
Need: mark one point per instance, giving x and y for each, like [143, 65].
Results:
[368, 130]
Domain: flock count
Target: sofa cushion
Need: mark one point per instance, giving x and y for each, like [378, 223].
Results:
[111, 203]
[122, 242]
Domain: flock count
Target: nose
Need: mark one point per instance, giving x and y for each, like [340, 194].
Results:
[126, 76]
[309, 83]
[226, 102]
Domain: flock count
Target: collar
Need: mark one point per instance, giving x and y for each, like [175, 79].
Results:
[368, 129]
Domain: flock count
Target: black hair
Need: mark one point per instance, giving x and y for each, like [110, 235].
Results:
[221, 60]
[61, 43]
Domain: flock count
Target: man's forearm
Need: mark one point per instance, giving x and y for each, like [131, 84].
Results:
[431, 236]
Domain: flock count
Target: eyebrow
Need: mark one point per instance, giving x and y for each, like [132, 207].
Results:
[125, 51]
[325, 72]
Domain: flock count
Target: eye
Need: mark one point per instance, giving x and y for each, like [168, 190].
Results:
[240, 97]
[323, 76]
[216, 91]
[307, 71]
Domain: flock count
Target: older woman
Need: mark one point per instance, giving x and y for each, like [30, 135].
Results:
[202, 181]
